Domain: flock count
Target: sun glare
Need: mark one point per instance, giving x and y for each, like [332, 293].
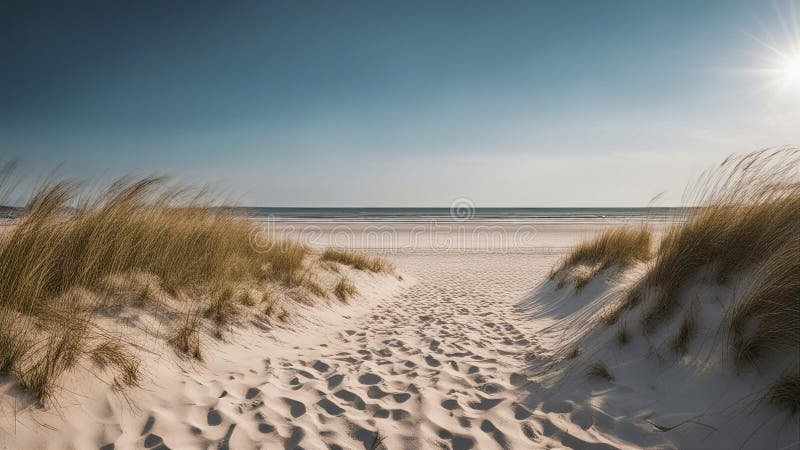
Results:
[780, 57]
[781, 72]
[790, 72]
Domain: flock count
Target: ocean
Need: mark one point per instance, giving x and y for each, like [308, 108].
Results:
[461, 213]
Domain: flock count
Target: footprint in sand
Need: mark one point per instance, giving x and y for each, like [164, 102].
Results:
[334, 381]
[401, 397]
[374, 392]
[152, 440]
[251, 393]
[450, 404]
[331, 408]
[213, 418]
[348, 396]
[369, 378]
[491, 388]
[433, 362]
[521, 412]
[320, 366]
[485, 403]
[462, 442]
[296, 409]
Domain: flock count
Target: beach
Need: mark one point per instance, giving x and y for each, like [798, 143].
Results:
[400, 225]
[438, 357]
[446, 354]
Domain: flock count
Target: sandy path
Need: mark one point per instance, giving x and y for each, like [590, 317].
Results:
[434, 366]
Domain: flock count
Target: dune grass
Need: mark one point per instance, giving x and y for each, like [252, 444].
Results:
[186, 337]
[65, 242]
[344, 289]
[617, 247]
[742, 228]
[767, 316]
[114, 354]
[357, 260]
[748, 209]
[600, 371]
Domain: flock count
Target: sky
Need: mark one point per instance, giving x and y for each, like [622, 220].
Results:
[389, 103]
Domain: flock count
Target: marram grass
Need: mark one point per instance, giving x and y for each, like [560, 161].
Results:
[71, 257]
[742, 227]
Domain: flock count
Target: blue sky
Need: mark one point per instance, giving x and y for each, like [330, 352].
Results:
[318, 103]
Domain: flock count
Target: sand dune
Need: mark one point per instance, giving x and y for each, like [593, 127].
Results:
[449, 357]
[434, 360]
[651, 397]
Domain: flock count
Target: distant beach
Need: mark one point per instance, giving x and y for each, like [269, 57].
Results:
[469, 212]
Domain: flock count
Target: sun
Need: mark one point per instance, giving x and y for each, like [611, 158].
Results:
[789, 73]
[778, 56]
[781, 69]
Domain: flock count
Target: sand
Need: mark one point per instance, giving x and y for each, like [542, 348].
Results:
[445, 358]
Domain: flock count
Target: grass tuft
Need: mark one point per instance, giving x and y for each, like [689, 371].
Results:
[269, 302]
[358, 261]
[599, 370]
[222, 308]
[186, 337]
[619, 247]
[315, 288]
[112, 353]
[574, 353]
[246, 299]
[344, 289]
[40, 367]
